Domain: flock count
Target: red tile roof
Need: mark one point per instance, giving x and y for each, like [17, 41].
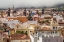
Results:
[61, 23]
[19, 37]
[46, 28]
[21, 19]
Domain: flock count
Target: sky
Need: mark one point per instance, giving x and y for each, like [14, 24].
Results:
[28, 3]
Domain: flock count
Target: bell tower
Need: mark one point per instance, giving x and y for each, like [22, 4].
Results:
[13, 7]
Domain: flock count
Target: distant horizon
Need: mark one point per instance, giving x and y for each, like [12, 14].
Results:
[29, 3]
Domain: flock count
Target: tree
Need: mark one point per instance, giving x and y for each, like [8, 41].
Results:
[26, 33]
[18, 32]
[22, 32]
[47, 21]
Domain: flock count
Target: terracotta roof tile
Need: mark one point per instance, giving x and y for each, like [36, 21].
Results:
[46, 28]
[19, 37]
[21, 19]
[61, 23]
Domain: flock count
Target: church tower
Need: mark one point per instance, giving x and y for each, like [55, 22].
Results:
[13, 7]
[42, 11]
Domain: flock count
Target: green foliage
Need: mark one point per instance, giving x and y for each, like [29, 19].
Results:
[21, 32]
[26, 33]
[47, 21]
[18, 32]
[42, 22]
[62, 8]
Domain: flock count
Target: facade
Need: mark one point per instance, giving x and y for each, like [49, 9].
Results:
[23, 30]
[20, 38]
[47, 35]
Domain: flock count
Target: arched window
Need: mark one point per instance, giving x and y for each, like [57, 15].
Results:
[36, 32]
[54, 28]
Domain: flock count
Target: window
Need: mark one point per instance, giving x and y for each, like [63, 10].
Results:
[53, 27]
[37, 28]
[33, 33]
[36, 32]
[55, 31]
[52, 32]
[56, 27]
[48, 32]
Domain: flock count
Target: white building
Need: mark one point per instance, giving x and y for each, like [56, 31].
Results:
[46, 35]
